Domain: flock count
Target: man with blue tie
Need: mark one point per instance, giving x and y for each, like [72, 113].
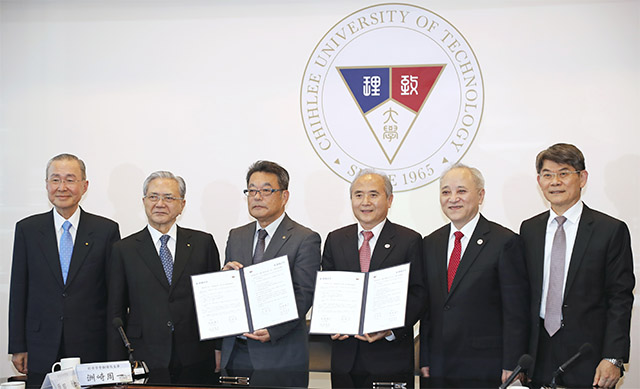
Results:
[57, 306]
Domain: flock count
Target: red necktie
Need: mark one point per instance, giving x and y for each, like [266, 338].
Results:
[365, 251]
[454, 261]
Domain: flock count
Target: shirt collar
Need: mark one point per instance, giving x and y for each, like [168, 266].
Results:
[272, 227]
[376, 230]
[58, 220]
[467, 229]
[156, 235]
[572, 214]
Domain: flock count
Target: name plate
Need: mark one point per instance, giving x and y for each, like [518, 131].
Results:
[104, 373]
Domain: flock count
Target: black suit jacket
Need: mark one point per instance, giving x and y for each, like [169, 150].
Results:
[42, 309]
[396, 245]
[153, 312]
[598, 294]
[481, 326]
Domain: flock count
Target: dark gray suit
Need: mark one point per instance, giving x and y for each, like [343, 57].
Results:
[288, 348]
[43, 310]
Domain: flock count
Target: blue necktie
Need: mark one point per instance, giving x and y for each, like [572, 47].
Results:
[66, 249]
[165, 257]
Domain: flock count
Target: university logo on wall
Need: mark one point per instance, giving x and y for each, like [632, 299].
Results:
[395, 88]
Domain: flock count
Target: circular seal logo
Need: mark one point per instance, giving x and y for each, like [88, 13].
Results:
[392, 87]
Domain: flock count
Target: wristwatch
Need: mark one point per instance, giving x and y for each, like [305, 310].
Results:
[616, 362]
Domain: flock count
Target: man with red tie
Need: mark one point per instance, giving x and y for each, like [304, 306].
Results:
[374, 243]
[475, 328]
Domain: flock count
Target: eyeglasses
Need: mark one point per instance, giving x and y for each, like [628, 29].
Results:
[266, 192]
[563, 175]
[67, 182]
[154, 198]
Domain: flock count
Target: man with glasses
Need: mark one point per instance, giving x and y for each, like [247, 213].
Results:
[581, 276]
[282, 347]
[150, 286]
[57, 306]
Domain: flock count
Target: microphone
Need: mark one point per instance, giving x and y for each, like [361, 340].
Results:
[139, 369]
[584, 350]
[524, 362]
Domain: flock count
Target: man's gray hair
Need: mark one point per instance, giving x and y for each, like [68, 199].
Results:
[388, 188]
[168, 175]
[67, 157]
[475, 173]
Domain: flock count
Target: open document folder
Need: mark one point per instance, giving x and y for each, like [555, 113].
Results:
[351, 303]
[233, 302]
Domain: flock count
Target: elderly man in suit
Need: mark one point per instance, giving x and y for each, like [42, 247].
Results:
[58, 290]
[150, 285]
[282, 347]
[581, 269]
[371, 244]
[475, 328]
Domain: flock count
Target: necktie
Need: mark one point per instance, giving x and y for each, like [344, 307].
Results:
[365, 251]
[454, 261]
[553, 311]
[166, 258]
[66, 249]
[258, 255]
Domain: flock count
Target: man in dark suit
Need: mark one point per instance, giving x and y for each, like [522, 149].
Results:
[581, 270]
[150, 285]
[283, 347]
[375, 243]
[475, 329]
[58, 290]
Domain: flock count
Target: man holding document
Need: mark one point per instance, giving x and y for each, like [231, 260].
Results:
[282, 347]
[375, 243]
[475, 328]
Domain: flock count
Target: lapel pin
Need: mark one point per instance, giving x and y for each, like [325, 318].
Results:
[386, 246]
[86, 243]
[480, 241]
[284, 237]
[188, 244]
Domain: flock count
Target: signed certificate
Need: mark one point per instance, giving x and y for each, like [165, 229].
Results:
[351, 303]
[233, 302]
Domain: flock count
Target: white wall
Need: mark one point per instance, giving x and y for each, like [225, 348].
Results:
[204, 88]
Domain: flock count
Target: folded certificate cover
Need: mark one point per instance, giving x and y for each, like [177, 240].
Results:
[351, 303]
[233, 302]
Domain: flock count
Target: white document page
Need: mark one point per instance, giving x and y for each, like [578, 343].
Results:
[386, 302]
[220, 304]
[270, 292]
[337, 303]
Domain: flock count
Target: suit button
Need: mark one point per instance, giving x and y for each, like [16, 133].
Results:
[170, 299]
[64, 295]
[446, 307]
[169, 324]
[61, 318]
[565, 306]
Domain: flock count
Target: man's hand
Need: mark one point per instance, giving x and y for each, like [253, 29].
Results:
[233, 265]
[374, 336]
[607, 375]
[261, 335]
[339, 337]
[20, 362]
[425, 371]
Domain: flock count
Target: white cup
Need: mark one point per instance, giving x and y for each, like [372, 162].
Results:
[13, 385]
[65, 363]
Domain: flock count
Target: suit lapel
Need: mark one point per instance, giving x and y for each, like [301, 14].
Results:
[248, 233]
[279, 238]
[350, 251]
[183, 253]
[81, 246]
[49, 246]
[441, 244]
[384, 246]
[539, 233]
[478, 240]
[585, 230]
[147, 251]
